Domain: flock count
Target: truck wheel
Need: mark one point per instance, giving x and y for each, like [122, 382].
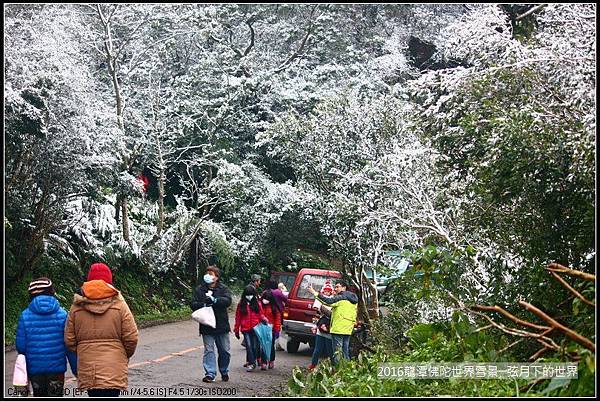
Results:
[292, 346]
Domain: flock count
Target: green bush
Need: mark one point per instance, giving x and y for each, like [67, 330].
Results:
[358, 377]
[453, 341]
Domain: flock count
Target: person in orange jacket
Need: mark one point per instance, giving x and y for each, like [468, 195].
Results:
[248, 314]
[273, 313]
[102, 332]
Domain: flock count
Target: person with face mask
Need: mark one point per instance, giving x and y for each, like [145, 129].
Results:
[273, 313]
[248, 314]
[211, 292]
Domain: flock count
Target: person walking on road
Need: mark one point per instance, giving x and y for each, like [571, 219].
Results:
[248, 314]
[102, 331]
[280, 297]
[40, 337]
[343, 316]
[273, 313]
[215, 294]
[255, 281]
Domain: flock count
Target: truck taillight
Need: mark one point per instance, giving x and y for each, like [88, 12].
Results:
[286, 314]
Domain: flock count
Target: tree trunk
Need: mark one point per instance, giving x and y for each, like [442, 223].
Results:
[365, 288]
[161, 201]
[209, 178]
[161, 180]
[111, 60]
[362, 312]
[118, 208]
[373, 312]
[34, 248]
[125, 221]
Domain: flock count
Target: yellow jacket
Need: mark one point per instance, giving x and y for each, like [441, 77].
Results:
[343, 311]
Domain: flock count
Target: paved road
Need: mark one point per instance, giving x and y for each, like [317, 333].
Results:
[168, 362]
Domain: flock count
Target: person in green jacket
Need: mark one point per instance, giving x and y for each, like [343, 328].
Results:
[343, 315]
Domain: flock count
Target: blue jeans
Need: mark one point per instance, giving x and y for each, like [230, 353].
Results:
[252, 346]
[223, 347]
[322, 344]
[341, 341]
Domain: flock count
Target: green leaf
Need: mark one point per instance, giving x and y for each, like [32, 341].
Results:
[470, 250]
[298, 381]
[556, 383]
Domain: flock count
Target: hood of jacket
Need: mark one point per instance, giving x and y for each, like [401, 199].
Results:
[44, 305]
[350, 296]
[98, 296]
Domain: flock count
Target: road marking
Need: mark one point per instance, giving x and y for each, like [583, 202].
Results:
[159, 360]
[135, 365]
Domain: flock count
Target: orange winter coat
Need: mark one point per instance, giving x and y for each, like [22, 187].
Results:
[101, 330]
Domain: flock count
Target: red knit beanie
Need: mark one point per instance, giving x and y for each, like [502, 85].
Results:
[99, 271]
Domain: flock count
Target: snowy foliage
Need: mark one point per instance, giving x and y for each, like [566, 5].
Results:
[252, 113]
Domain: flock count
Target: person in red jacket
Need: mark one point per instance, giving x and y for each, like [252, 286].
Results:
[273, 313]
[248, 314]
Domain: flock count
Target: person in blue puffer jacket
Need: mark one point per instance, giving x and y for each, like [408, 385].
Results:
[40, 337]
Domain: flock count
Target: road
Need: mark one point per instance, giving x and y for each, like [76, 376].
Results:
[168, 362]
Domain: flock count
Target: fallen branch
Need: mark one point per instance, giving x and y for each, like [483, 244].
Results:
[573, 290]
[510, 346]
[483, 328]
[565, 301]
[529, 386]
[511, 317]
[538, 353]
[555, 267]
[549, 346]
[517, 332]
[570, 333]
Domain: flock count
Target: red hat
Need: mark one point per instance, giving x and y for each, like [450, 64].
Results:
[99, 271]
[327, 288]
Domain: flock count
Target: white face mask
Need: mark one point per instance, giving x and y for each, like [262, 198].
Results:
[249, 297]
[265, 301]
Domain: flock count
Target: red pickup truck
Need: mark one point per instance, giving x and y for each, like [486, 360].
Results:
[298, 313]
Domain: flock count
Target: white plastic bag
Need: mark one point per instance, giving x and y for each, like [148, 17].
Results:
[205, 316]
[317, 304]
[20, 372]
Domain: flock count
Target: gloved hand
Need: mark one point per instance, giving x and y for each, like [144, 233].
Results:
[276, 335]
[237, 335]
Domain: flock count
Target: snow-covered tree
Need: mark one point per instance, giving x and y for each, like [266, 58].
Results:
[58, 145]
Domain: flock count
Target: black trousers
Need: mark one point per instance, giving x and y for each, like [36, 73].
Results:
[51, 385]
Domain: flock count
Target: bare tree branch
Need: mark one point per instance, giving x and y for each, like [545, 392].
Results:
[538, 353]
[573, 290]
[570, 333]
[531, 11]
[298, 51]
[555, 267]
[251, 45]
[511, 317]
